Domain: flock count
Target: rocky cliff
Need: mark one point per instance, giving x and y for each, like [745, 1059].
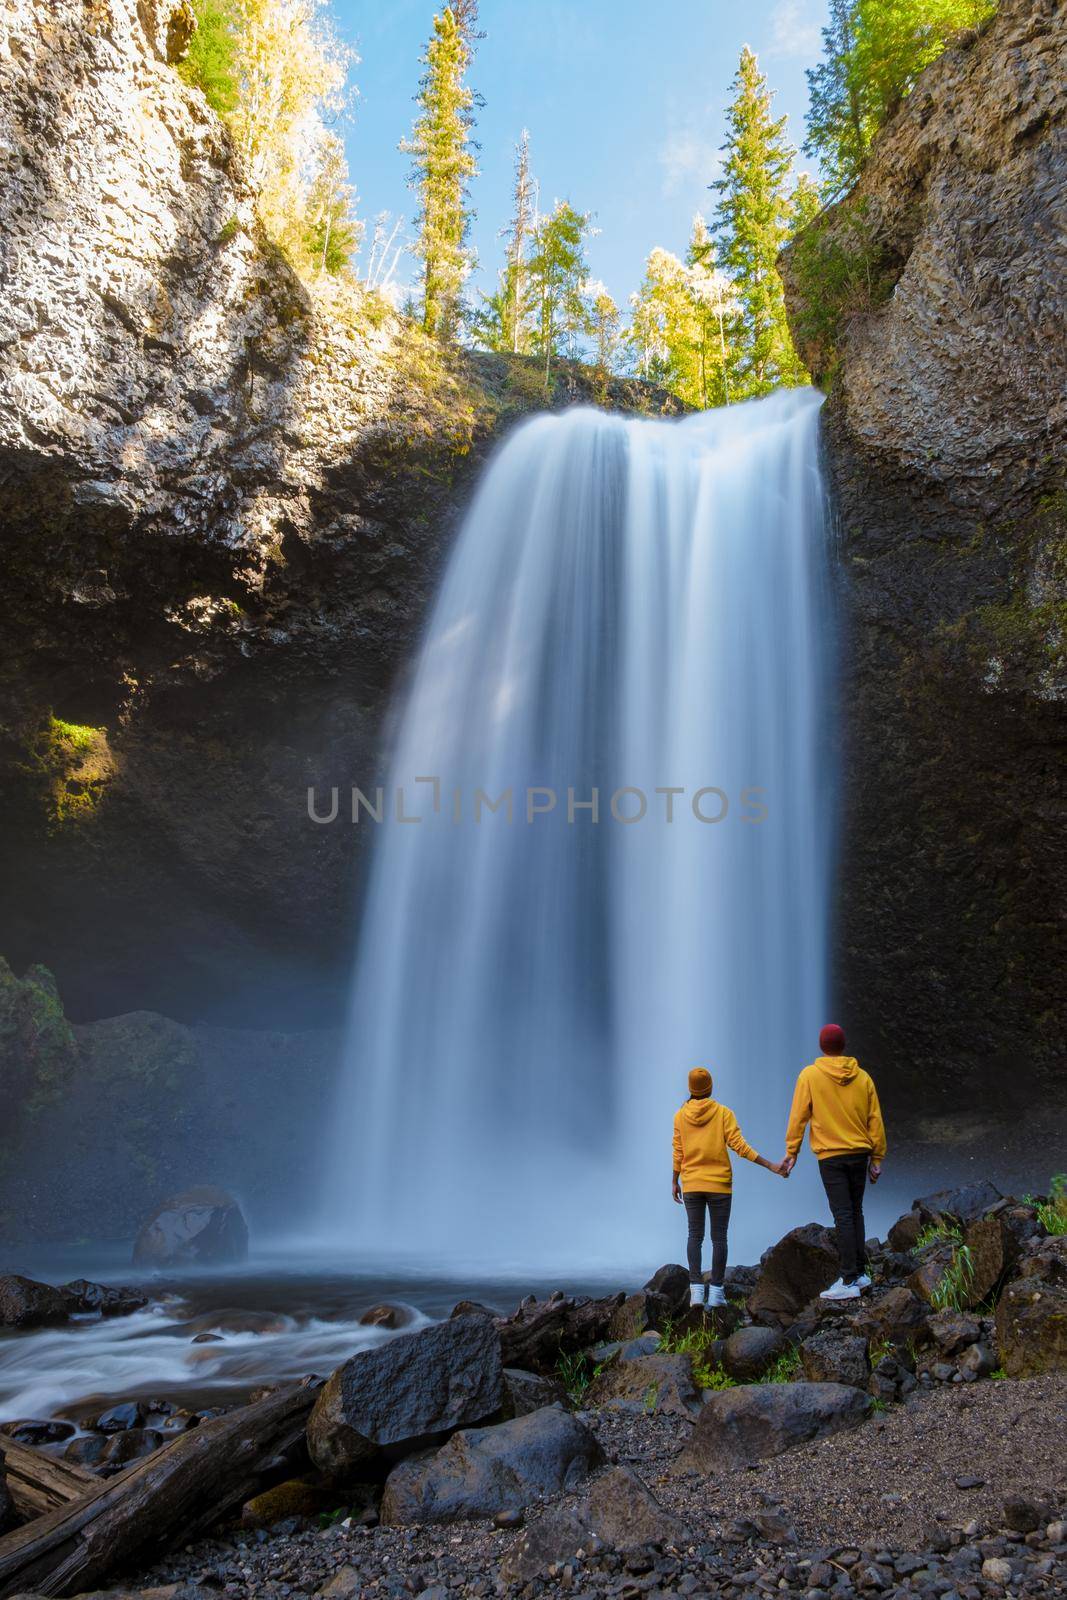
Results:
[930, 300]
[224, 503]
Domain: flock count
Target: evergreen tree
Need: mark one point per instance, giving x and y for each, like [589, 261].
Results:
[514, 287]
[839, 132]
[752, 222]
[558, 270]
[443, 164]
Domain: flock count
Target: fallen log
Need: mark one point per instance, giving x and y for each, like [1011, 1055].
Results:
[176, 1492]
[543, 1330]
[39, 1482]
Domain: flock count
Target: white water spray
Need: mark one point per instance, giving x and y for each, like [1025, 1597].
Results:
[631, 605]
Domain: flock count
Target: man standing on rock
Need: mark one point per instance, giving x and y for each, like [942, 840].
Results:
[847, 1134]
[704, 1134]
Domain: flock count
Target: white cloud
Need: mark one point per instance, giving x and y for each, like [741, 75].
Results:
[795, 31]
[689, 158]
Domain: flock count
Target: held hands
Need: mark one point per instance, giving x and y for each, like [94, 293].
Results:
[786, 1165]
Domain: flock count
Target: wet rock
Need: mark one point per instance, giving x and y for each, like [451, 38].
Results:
[25, 1303]
[962, 1205]
[37, 1432]
[408, 1391]
[835, 1356]
[951, 1331]
[905, 1231]
[130, 1445]
[748, 1352]
[127, 1414]
[202, 1227]
[386, 1316]
[620, 1513]
[657, 1384]
[482, 1471]
[472, 1308]
[88, 1450]
[793, 1272]
[1031, 1324]
[529, 1391]
[646, 1344]
[671, 1284]
[897, 1316]
[740, 1426]
[106, 1300]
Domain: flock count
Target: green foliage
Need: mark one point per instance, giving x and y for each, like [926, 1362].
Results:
[651, 1396]
[443, 164]
[696, 1343]
[953, 1290]
[1052, 1213]
[753, 220]
[940, 1232]
[210, 63]
[841, 272]
[873, 51]
[577, 1372]
[37, 1046]
[557, 273]
[229, 231]
[998, 1374]
[685, 323]
[786, 1368]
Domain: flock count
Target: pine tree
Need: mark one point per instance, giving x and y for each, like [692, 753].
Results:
[839, 132]
[558, 270]
[514, 286]
[752, 223]
[443, 164]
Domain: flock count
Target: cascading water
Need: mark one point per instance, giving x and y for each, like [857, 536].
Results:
[636, 609]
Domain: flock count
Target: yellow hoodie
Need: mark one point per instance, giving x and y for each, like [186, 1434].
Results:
[839, 1099]
[702, 1131]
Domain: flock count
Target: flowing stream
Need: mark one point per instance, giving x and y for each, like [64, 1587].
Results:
[640, 610]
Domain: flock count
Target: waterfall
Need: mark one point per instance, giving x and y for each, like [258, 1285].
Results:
[637, 609]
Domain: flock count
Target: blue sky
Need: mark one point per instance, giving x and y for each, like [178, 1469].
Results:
[624, 102]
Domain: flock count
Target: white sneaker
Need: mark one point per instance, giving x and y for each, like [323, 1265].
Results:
[841, 1291]
[696, 1294]
[863, 1281]
[716, 1295]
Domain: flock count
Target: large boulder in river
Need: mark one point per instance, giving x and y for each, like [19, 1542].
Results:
[483, 1471]
[740, 1426]
[409, 1391]
[793, 1272]
[24, 1303]
[201, 1228]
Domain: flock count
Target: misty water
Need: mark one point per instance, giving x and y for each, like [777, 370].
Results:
[631, 607]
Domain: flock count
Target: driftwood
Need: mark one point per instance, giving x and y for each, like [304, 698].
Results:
[178, 1491]
[543, 1330]
[39, 1482]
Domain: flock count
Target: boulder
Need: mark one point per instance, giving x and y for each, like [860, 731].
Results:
[905, 1231]
[951, 1331]
[662, 1299]
[38, 1431]
[834, 1355]
[977, 1361]
[660, 1384]
[898, 1316]
[619, 1511]
[671, 1284]
[24, 1303]
[529, 1391]
[646, 1344]
[741, 1426]
[748, 1352]
[793, 1272]
[718, 1322]
[926, 1280]
[995, 1249]
[127, 1414]
[101, 1299]
[1032, 1327]
[296, 1497]
[483, 1471]
[386, 1316]
[740, 1281]
[961, 1205]
[406, 1392]
[202, 1227]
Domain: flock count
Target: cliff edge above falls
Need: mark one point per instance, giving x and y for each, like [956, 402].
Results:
[931, 302]
[225, 501]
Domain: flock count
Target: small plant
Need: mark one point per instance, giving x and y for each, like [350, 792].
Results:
[878, 1404]
[879, 1349]
[578, 1373]
[330, 1519]
[696, 1343]
[942, 1232]
[999, 1373]
[651, 1396]
[1052, 1213]
[786, 1368]
[228, 231]
[709, 1376]
[953, 1289]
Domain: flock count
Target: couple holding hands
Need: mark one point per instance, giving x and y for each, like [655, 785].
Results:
[839, 1101]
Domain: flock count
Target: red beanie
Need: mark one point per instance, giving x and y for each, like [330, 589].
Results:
[832, 1039]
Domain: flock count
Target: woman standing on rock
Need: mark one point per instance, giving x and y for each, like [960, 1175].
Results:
[840, 1102]
[704, 1134]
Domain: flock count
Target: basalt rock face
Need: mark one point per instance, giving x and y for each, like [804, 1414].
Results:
[944, 443]
[225, 501]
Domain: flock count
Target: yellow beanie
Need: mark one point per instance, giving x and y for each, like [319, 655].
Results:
[700, 1082]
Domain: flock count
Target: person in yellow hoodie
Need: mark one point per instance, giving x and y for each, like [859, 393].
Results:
[847, 1134]
[705, 1132]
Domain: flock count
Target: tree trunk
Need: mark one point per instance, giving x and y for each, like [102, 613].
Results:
[39, 1482]
[176, 1493]
[543, 1330]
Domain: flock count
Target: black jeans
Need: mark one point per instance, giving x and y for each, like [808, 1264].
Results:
[844, 1179]
[718, 1206]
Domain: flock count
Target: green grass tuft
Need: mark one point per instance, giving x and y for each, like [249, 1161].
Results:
[785, 1369]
